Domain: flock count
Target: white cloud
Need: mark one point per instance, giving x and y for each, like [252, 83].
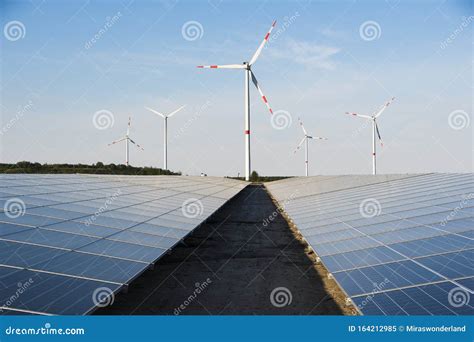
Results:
[333, 34]
[307, 54]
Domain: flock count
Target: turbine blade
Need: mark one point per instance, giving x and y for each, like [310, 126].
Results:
[156, 112]
[299, 145]
[116, 141]
[177, 110]
[378, 133]
[301, 124]
[359, 115]
[129, 123]
[262, 44]
[381, 110]
[227, 66]
[133, 142]
[264, 99]
[317, 138]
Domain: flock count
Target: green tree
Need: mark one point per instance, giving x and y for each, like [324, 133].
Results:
[254, 176]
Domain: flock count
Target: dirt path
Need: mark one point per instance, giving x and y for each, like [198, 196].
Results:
[231, 265]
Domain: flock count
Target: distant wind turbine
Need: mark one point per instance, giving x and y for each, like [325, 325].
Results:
[127, 139]
[248, 74]
[305, 141]
[375, 130]
[165, 132]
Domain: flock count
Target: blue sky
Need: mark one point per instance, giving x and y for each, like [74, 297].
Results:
[317, 66]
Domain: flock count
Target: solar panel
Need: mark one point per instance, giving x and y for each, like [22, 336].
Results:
[396, 244]
[63, 237]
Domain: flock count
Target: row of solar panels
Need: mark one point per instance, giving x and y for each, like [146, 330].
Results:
[397, 245]
[68, 242]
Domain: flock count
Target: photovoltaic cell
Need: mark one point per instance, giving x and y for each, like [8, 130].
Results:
[76, 234]
[396, 244]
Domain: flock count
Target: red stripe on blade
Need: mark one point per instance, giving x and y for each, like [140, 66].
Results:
[247, 132]
[213, 66]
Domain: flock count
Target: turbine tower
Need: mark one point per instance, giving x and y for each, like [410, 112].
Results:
[127, 139]
[165, 132]
[247, 66]
[375, 130]
[305, 141]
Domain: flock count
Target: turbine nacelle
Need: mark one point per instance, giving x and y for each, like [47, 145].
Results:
[305, 141]
[248, 74]
[127, 139]
[165, 129]
[375, 129]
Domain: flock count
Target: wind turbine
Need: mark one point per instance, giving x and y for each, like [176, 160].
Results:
[165, 129]
[127, 139]
[247, 66]
[305, 141]
[375, 129]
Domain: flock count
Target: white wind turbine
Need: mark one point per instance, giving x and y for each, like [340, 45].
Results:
[375, 130]
[305, 141]
[127, 139]
[165, 132]
[248, 74]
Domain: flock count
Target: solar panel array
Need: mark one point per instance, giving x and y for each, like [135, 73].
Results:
[67, 242]
[397, 245]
